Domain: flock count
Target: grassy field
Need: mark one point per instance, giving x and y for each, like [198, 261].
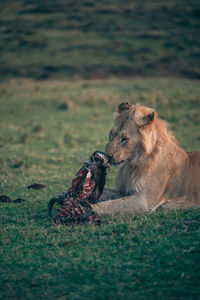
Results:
[96, 39]
[46, 129]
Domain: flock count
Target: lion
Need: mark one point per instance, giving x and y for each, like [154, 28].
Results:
[153, 169]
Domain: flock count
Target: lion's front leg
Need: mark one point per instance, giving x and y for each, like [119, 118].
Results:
[109, 194]
[122, 205]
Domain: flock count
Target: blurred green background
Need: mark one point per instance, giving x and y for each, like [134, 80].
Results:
[98, 39]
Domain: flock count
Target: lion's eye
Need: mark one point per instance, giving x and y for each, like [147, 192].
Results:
[124, 140]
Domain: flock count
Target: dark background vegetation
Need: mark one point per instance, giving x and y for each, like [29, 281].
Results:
[92, 39]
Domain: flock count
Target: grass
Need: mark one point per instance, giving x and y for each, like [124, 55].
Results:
[46, 129]
[98, 39]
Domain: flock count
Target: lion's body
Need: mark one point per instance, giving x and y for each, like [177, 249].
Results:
[153, 169]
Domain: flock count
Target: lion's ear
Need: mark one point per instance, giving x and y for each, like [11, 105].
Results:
[144, 119]
[121, 108]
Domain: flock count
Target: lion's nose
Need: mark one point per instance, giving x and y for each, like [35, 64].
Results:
[108, 153]
[109, 150]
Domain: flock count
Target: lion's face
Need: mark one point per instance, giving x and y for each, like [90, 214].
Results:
[126, 137]
[123, 142]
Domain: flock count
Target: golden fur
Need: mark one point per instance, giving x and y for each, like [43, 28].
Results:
[153, 169]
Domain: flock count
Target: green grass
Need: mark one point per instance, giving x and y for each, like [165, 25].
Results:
[46, 129]
[97, 39]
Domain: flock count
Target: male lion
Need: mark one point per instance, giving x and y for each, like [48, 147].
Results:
[153, 169]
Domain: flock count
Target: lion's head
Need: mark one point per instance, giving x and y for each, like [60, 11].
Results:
[133, 133]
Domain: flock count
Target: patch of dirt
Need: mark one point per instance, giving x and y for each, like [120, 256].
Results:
[36, 186]
[4, 198]
[18, 200]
